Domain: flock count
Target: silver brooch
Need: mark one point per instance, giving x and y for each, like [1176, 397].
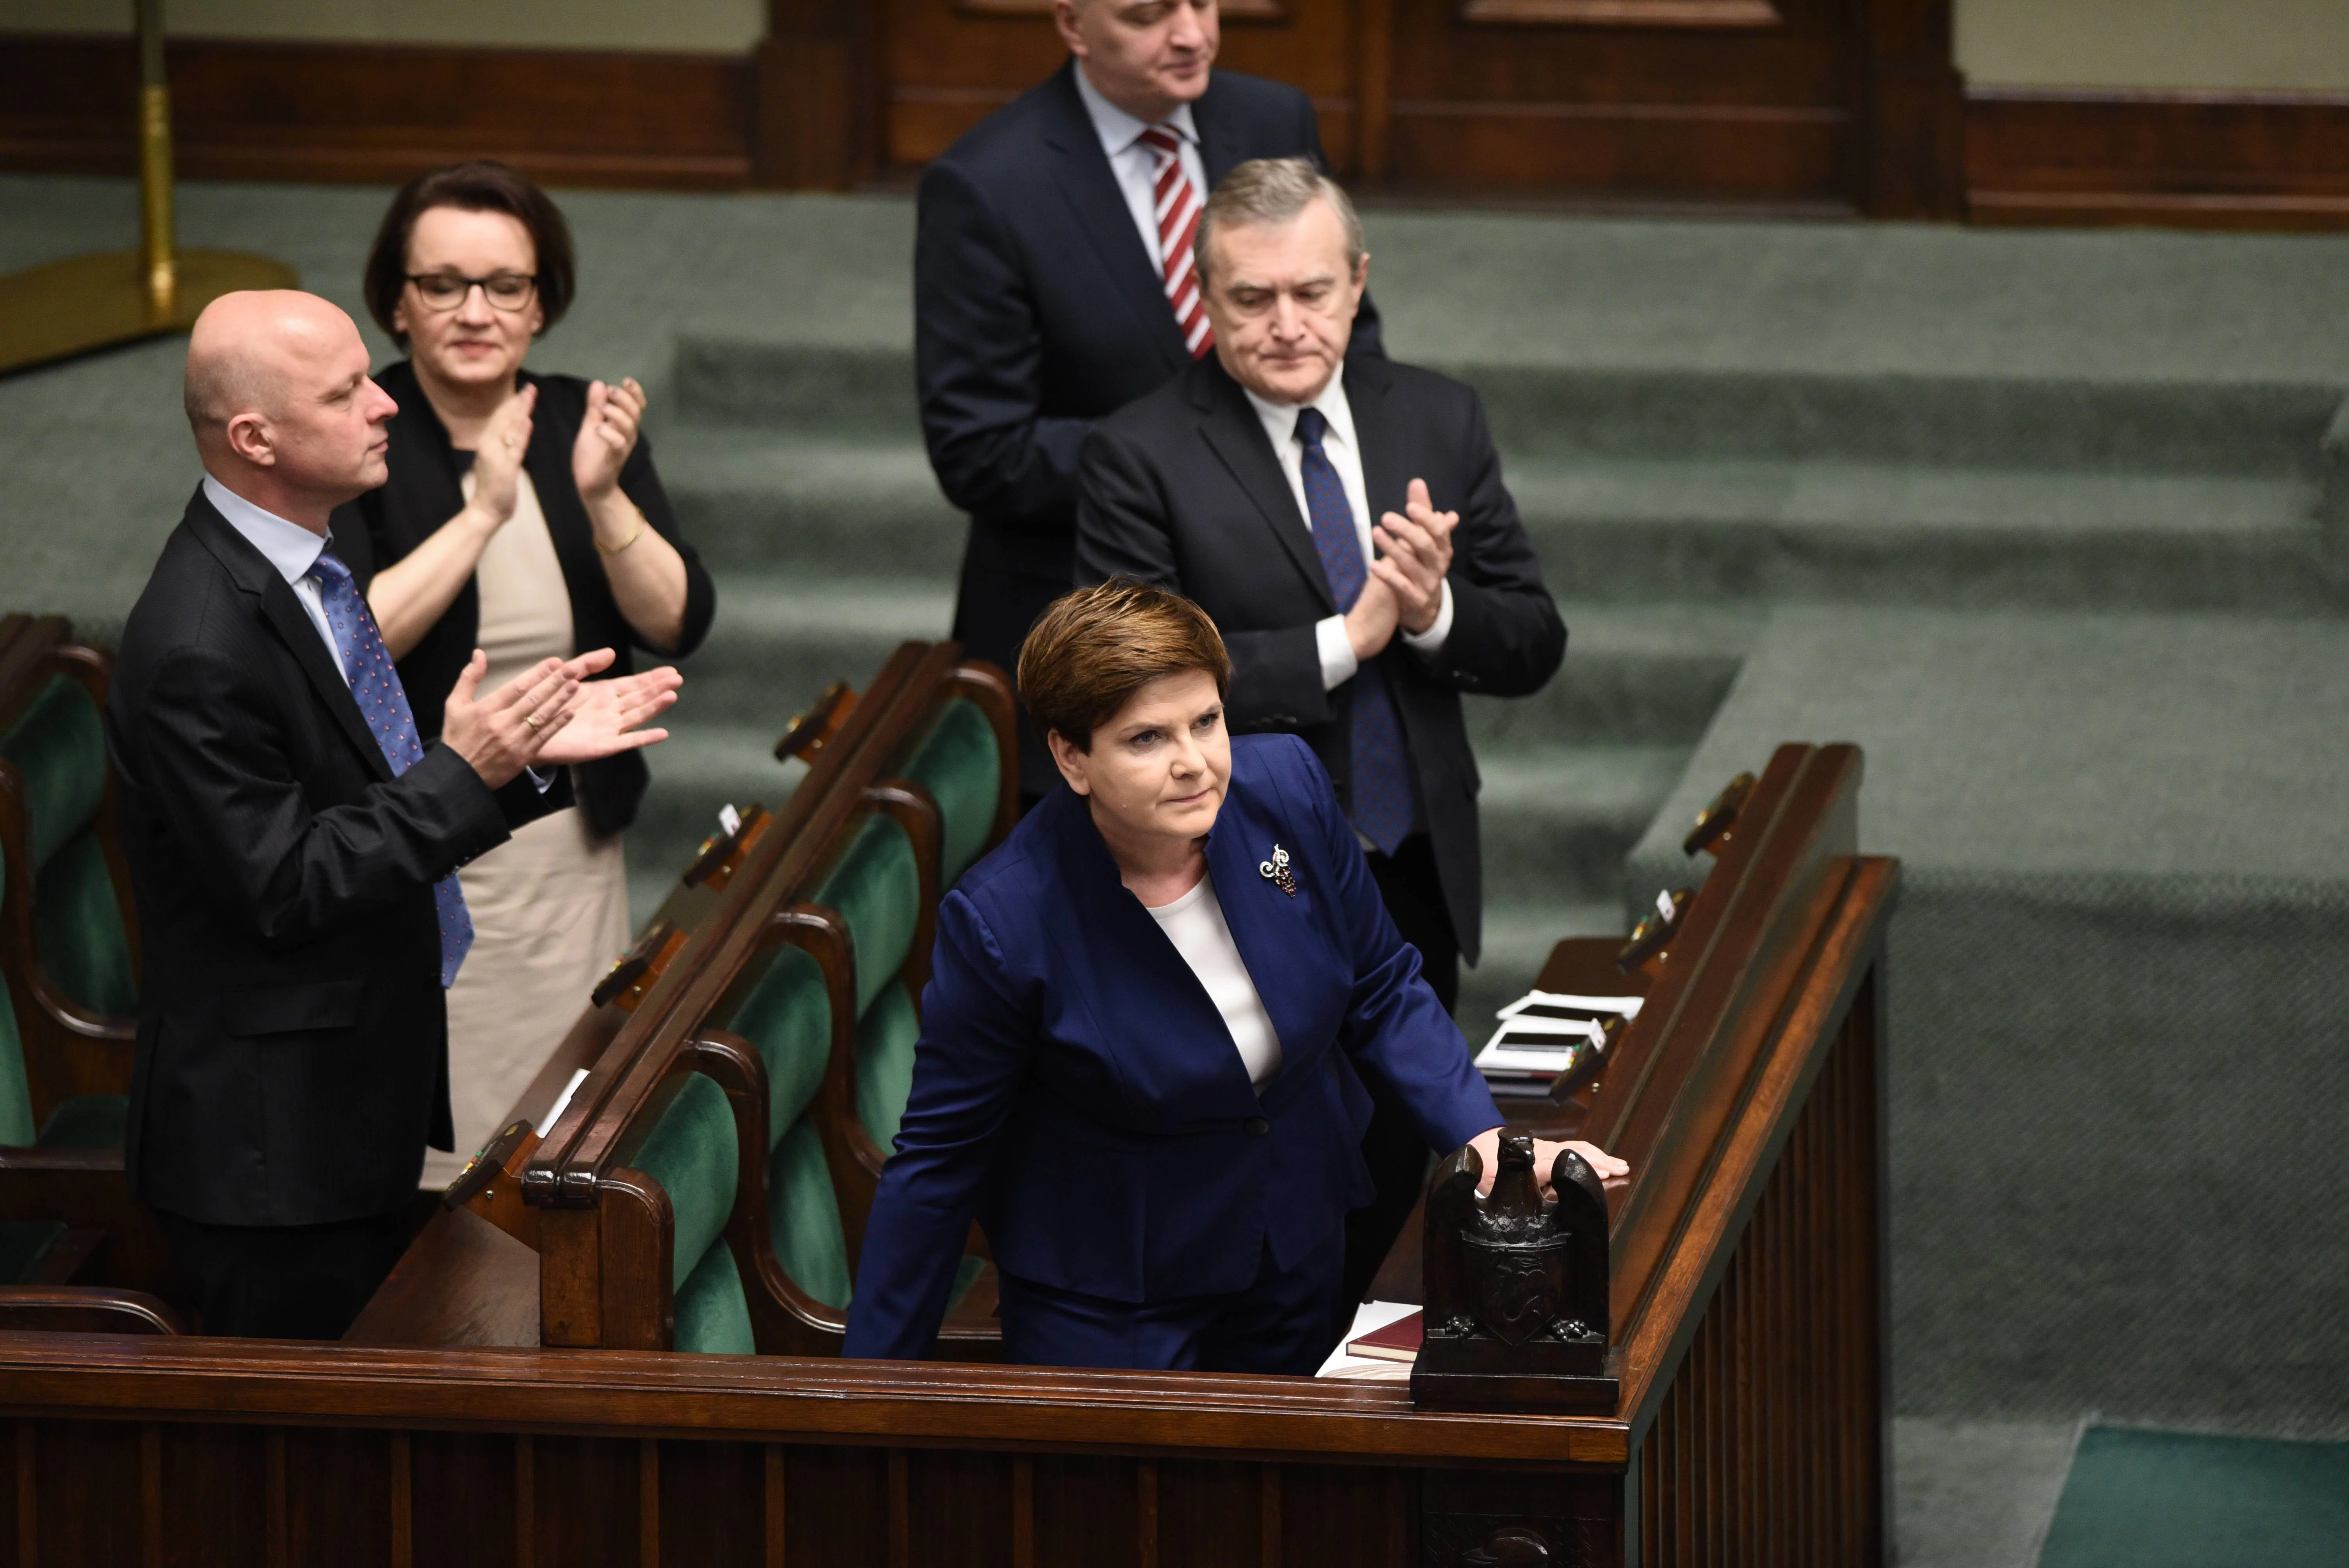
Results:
[1276, 871]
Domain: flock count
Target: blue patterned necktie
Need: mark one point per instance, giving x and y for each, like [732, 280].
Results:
[375, 687]
[1383, 804]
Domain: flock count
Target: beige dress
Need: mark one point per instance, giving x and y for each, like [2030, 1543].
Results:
[550, 906]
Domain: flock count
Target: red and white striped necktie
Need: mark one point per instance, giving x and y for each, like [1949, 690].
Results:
[1177, 205]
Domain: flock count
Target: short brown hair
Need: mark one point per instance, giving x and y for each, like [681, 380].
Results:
[1092, 649]
[483, 186]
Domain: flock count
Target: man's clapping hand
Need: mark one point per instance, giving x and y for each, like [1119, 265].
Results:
[552, 715]
[1415, 554]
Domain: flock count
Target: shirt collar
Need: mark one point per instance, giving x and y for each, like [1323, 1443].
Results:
[1118, 130]
[1280, 419]
[291, 548]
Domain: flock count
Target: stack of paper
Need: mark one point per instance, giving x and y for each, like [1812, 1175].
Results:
[1545, 1034]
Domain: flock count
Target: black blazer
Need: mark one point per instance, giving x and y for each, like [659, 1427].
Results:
[1037, 310]
[293, 1041]
[1182, 490]
[424, 491]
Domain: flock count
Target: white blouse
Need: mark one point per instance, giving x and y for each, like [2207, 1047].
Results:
[1195, 924]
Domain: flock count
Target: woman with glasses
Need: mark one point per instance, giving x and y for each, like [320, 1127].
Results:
[524, 517]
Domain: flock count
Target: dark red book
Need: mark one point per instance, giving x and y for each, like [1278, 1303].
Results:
[1398, 1341]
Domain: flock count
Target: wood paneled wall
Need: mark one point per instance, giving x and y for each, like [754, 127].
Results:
[380, 114]
[2190, 160]
[1822, 105]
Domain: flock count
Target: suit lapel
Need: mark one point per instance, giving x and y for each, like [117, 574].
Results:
[1219, 146]
[1089, 187]
[251, 572]
[1379, 434]
[1229, 425]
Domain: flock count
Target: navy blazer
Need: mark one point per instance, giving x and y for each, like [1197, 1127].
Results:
[1077, 1093]
[1037, 310]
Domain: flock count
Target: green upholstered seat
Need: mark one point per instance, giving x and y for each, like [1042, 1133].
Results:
[958, 763]
[88, 1121]
[877, 889]
[713, 1317]
[787, 1019]
[85, 1122]
[803, 1217]
[885, 1038]
[78, 929]
[59, 748]
[692, 1153]
[22, 1245]
[15, 1092]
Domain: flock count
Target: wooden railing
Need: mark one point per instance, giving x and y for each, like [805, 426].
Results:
[1746, 1286]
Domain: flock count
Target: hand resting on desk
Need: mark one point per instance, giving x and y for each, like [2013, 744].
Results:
[1488, 1145]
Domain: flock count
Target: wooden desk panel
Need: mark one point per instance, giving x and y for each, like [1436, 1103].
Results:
[1750, 1430]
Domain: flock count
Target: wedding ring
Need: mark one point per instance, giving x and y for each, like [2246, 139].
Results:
[509, 442]
[531, 720]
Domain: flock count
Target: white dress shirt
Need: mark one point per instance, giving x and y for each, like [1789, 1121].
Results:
[294, 550]
[1345, 455]
[1136, 166]
[291, 548]
[1195, 924]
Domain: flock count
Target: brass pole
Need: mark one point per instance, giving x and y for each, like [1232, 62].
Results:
[158, 263]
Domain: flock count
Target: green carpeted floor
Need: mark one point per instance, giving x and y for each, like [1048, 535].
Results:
[2168, 1499]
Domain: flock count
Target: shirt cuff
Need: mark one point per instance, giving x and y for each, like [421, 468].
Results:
[545, 779]
[1336, 649]
[1431, 641]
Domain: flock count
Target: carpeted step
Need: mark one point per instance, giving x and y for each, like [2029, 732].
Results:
[1648, 528]
[2118, 426]
[775, 500]
[1635, 673]
[844, 392]
[1558, 821]
[780, 640]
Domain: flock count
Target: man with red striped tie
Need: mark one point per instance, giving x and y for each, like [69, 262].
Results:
[1053, 285]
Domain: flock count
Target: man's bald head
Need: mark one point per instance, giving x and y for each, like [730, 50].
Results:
[278, 395]
[243, 347]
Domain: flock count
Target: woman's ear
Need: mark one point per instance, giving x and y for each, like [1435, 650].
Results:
[1070, 760]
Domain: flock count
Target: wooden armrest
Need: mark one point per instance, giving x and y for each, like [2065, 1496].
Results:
[84, 1309]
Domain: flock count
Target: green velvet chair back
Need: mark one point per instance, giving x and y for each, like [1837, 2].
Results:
[961, 765]
[57, 746]
[693, 1152]
[16, 1123]
[877, 890]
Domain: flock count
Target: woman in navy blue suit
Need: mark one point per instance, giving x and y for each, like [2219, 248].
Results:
[1143, 1032]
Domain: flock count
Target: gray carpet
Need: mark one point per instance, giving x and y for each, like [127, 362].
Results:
[2117, 1002]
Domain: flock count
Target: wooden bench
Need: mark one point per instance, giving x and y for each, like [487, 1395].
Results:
[73, 1247]
[1746, 1270]
[797, 1006]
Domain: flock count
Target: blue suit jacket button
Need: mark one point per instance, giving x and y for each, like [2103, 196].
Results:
[1256, 1127]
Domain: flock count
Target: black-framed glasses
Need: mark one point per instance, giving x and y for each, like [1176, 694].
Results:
[447, 290]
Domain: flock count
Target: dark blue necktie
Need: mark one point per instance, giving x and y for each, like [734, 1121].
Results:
[1383, 801]
[375, 686]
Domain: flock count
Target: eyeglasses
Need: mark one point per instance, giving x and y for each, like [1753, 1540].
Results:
[447, 290]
